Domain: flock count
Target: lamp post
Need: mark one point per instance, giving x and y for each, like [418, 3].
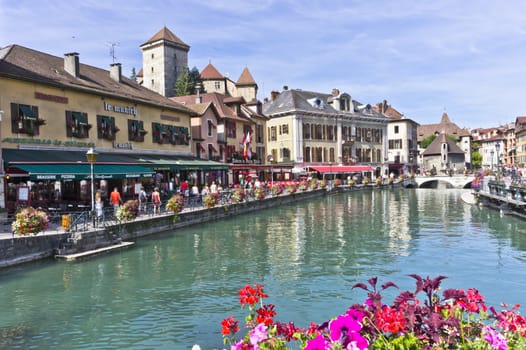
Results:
[270, 159]
[91, 155]
[492, 152]
[497, 148]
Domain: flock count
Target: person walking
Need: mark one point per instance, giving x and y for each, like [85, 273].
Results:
[115, 200]
[99, 208]
[156, 199]
[143, 199]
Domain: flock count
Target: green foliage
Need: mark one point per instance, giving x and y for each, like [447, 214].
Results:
[187, 82]
[426, 141]
[133, 75]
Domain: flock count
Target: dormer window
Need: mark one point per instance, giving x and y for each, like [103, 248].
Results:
[317, 103]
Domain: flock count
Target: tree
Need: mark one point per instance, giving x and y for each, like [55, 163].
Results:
[187, 82]
[476, 157]
[427, 141]
[133, 75]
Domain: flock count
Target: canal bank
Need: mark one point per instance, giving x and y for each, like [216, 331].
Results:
[15, 250]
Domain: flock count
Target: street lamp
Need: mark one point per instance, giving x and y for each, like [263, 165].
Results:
[270, 159]
[492, 152]
[91, 155]
[497, 148]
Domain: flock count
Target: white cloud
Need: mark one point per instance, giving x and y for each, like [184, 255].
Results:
[423, 57]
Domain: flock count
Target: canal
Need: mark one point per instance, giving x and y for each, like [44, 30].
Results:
[172, 290]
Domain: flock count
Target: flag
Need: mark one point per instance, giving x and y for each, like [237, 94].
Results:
[246, 146]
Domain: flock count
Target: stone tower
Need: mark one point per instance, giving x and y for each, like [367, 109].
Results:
[164, 57]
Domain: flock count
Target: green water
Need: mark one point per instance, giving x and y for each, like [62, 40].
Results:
[172, 290]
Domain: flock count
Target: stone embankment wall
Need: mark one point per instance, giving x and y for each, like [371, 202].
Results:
[24, 249]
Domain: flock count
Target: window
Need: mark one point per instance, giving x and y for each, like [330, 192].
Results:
[217, 85]
[136, 130]
[210, 127]
[396, 129]
[106, 127]
[306, 131]
[152, 55]
[77, 124]
[25, 120]
[152, 69]
[231, 129]
[273, 136]
[285, 129]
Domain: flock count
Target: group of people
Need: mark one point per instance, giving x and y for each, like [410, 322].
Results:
[116, 201]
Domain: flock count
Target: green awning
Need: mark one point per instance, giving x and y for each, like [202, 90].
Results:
[27, 112]
[82, 171]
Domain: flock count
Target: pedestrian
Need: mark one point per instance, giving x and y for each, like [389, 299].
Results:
[213, 187]
[143, 199]
[115, 200]
[99, 208]
[184, 188]
[156, 199]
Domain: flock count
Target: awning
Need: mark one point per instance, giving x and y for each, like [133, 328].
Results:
[335, 169]
[27, 112]
[81, 171]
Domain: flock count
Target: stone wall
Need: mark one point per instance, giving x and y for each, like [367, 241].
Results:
[23, 249]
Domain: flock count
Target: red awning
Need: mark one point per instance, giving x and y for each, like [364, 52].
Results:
[341, 168]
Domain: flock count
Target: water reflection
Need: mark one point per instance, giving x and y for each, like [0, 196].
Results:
[171, 291]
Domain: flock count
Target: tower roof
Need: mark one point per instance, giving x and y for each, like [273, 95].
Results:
[167, 35]
[246, 78]
[210, 72]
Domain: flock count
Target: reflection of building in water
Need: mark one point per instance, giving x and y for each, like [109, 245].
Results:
[285, 241]
[397, 215]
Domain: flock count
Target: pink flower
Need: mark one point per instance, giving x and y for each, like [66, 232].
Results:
[258, 334]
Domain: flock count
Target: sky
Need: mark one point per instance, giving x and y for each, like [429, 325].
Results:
[466, 58]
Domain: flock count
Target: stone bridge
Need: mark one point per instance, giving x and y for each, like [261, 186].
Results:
[455, 181]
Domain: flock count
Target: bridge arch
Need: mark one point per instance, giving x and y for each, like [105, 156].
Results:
[444, 181]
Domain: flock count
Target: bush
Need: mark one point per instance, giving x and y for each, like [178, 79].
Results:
[30, 221]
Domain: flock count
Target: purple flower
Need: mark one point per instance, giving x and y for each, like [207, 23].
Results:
[237, 346]
[495, 339]
[318, 343]
[258, 334]
[342, 326]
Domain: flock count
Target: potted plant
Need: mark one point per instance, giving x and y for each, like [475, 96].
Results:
[30, 221]
[259, 193]
[175, 203]
[211, 200]
[238, 196]
[128, 211]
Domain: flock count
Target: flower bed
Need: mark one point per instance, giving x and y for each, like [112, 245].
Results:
[457, 319]
[30, 221]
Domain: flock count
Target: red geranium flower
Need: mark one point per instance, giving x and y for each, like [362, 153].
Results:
[229, 326]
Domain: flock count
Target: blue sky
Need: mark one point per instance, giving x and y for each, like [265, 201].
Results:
[466, 58]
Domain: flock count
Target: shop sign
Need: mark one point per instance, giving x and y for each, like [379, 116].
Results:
[48, 142]
[125, 145]
[130, 110]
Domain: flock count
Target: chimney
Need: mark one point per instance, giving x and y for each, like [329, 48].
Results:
[115, 72]
[273, 95]
[198, 99]
[335, 92]
[71, 64]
